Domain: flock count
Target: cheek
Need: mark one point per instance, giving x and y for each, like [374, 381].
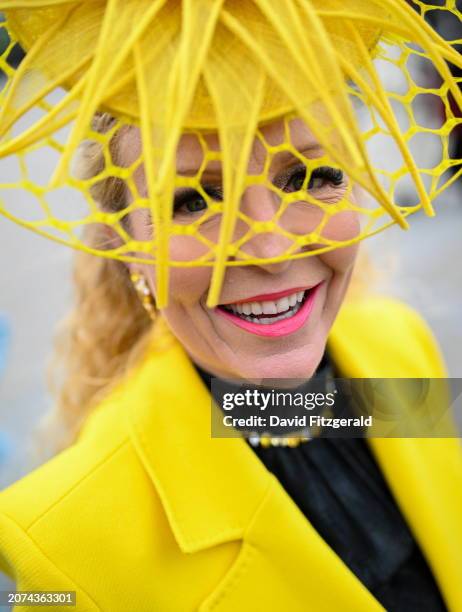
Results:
[303, 218]
[340, 261]
[188, 287]
[189, 247]
[342, 226]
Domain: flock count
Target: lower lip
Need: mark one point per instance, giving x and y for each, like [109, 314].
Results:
[280, 328]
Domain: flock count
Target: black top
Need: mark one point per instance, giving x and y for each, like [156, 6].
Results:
[338, 486]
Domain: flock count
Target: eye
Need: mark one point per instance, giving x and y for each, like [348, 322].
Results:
[319, 178]
[194, 203]
[191, 202]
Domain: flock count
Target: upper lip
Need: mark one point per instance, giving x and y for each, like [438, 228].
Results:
[269, 297]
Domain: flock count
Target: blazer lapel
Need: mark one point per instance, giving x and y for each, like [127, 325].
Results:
[284, 564]
[216, 490]
[424, 474]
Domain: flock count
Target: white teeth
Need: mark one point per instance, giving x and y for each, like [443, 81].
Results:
[256, 308]
[269, 308]
[282, 305]
[284, 308]
[247, 308]
[271, 320]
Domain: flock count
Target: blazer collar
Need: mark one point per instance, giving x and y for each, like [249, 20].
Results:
[210, 487]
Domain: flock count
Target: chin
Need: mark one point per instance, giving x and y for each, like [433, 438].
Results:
[301, 363]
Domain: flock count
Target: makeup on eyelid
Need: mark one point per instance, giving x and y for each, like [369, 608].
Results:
[333, 176]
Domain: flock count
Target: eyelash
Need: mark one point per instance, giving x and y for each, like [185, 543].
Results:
[189, 195]
[332, 175]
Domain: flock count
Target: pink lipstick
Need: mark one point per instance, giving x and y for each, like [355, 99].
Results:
[288, 325]
[270, 296]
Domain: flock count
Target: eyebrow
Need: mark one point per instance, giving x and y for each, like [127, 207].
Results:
[285, 156]
[282, 157]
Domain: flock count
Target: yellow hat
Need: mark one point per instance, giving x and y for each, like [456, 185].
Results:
[174, 67]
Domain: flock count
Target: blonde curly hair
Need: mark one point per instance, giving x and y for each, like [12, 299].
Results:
[106, 331]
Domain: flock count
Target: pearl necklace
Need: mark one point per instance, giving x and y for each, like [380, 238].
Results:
[266, 441]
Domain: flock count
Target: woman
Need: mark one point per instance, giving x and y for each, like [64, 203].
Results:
[146, 510]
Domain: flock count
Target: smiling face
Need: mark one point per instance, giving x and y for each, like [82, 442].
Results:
[274, 318]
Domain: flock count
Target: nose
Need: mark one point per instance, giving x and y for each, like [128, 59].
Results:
[259, 206]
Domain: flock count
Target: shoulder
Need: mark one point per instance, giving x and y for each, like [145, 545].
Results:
[62, 509]
[384, 337]
[102, 440]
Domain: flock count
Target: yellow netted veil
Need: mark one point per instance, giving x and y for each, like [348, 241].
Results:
[359, 74]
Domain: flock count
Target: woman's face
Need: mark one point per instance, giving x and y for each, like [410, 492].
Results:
[274, 318]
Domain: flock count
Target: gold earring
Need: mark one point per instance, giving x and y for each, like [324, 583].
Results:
[144, 293]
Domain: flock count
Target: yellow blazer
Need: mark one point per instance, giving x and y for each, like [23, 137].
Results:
[147, 513]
